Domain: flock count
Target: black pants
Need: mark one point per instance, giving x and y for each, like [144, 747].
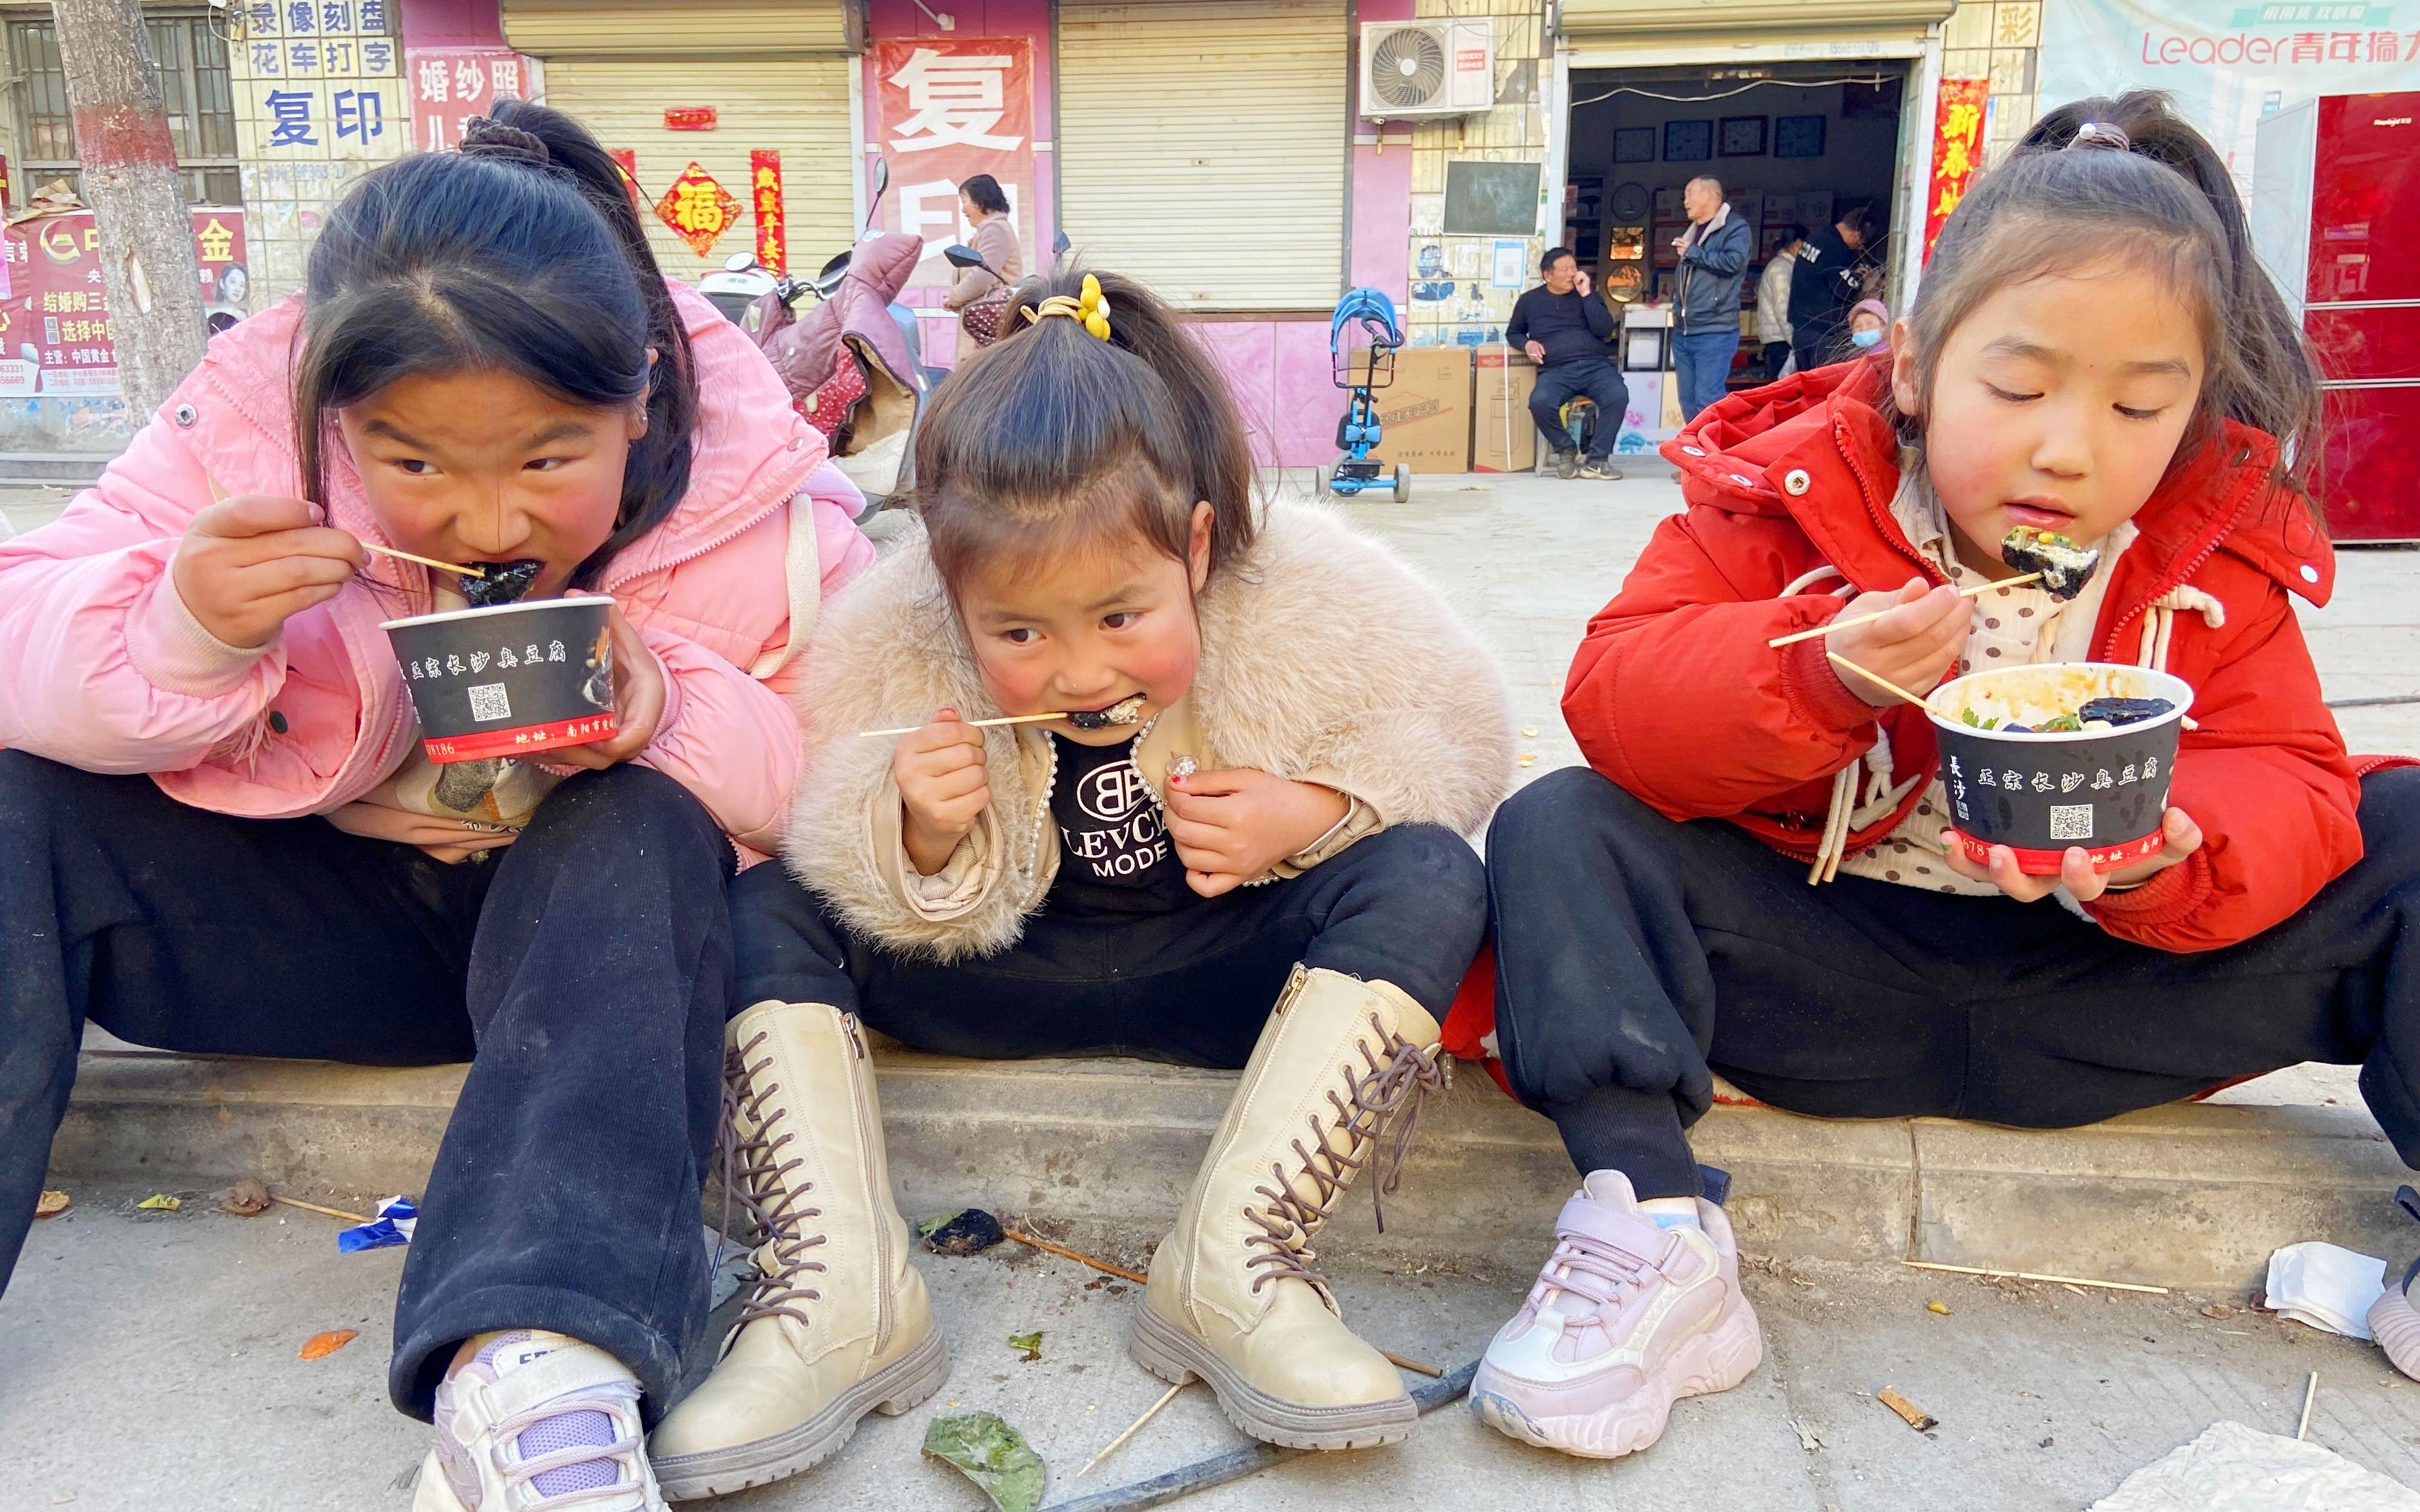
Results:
[1406, 905]
[1636, 956]
[1817, 342]
[584, 971]
[1598, 379]
[1775, 354]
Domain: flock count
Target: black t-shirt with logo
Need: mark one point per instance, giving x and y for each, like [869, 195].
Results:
[1115, 856]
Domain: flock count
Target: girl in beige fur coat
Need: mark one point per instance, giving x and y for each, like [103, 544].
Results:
[1240, 754]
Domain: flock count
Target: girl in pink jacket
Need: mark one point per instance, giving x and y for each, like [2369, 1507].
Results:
[221, 836]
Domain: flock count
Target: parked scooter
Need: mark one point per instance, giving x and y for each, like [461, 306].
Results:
[851, 362]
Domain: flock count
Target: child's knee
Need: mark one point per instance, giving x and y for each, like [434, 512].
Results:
[1545, 822]
[2390, 822]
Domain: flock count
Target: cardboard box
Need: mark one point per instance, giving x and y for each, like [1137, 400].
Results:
[1501, 407]
[1425, 415]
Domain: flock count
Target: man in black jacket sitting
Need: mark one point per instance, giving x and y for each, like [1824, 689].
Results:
[1565, 327]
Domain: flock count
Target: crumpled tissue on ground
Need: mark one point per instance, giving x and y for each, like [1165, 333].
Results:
[2231, 1468]
[2326, 1285]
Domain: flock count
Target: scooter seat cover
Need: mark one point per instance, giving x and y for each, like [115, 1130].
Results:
[830, 404]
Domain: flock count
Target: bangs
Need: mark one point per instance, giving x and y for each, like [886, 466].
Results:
[1018, 532]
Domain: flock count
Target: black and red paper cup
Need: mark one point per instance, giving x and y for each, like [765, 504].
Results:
[2040, 791]
[511, 680]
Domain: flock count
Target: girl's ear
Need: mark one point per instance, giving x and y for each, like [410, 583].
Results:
[635, 427]
[1197, 549]
[1903, 392]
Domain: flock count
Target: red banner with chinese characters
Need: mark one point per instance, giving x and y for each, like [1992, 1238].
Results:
[1957, 151]
[765, 195]
[626, 162]
[698, 209]
[947, 108]
[55, 336]
[689, 118]
[450, 84]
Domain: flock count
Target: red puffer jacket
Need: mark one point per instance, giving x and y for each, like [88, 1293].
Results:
[1675, 695]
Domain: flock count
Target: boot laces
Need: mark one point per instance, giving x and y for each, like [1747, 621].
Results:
[754, 1172]
[1603, 1276]
[1395, 1079]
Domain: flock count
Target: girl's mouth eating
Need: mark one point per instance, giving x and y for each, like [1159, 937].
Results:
[504, 583]
[1127, 710]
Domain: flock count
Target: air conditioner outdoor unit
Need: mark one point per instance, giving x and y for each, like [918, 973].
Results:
[1412, 69]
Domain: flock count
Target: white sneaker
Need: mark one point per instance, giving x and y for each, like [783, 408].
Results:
[535, 1422]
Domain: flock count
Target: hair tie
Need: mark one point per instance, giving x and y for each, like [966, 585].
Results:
[2098, 134]
[1092, 311]
[486, 138]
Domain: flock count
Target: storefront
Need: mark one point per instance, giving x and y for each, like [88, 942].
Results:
[1802, 113]
[731, 118]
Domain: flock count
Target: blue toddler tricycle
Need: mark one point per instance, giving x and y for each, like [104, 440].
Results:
[1361, 343]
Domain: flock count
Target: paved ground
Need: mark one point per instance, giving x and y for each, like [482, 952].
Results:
[149, 1360]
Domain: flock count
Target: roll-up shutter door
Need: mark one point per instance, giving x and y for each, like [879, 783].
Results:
[798, 107]
[1202, 148]
[1746, 21]
[672, 28]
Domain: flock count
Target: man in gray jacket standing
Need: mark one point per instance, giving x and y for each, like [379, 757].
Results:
[1714, 252]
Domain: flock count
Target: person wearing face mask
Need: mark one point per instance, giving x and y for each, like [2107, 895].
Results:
[1869, 324]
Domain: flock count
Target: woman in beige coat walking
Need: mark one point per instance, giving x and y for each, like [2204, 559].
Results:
[985, 208]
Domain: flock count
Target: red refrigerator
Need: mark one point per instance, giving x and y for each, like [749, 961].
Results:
[2335, 217]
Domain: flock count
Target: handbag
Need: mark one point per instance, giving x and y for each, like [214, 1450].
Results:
[982, 319]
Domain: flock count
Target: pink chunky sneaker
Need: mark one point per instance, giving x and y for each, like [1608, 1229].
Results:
[535, 1422]
[1625, 1319]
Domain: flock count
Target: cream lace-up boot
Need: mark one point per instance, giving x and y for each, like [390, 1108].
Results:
[839, 1324]
[1233, 1298]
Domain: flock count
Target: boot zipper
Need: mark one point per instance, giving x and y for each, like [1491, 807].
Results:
[1294, 986]
[869, 1135]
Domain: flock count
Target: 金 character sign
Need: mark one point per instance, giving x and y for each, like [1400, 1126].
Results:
[948, 108]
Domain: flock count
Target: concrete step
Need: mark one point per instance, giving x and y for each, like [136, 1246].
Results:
[2193, 1195]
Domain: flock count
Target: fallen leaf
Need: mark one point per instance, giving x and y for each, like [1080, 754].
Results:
[319, 1346]
[1916, 1417]
[1936, 1305]
[2218, 1309]
[249, 1200]
[1029, 1343]
[51, 1204]
[993, 1454]
[161, 1202]
[1807, 1439]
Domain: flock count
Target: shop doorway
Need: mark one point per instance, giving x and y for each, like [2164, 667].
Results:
[1794, 143]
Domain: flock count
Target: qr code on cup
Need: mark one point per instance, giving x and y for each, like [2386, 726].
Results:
[2071, 821]
[488, 702]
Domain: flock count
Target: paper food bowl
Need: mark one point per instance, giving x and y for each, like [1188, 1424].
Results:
[511, 680]
[2039, 793]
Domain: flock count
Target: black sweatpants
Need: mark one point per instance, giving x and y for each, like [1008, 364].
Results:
[1636, 957]
[1598, 379]
[1406, 905]
[584, 971]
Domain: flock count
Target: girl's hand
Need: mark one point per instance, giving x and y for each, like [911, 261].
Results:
[2180, 836]
[1914, 646]
[638, 702]
[247, 564]
[943, 787]
[1231, 827]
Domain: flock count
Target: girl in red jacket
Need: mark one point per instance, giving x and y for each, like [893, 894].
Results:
[2093, 351]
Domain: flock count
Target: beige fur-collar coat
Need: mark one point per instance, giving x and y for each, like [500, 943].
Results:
[1324, 658]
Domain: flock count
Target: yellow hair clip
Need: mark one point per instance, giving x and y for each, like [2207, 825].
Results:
[1092, 311]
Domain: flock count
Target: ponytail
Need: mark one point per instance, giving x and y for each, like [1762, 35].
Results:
[1055, 436]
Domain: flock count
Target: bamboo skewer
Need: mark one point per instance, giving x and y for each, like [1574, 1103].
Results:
[2309, 1393]
[2029, 1275]
[972, 724]
[1875, 678]
[313, 1207]
[454, 567]
[1416, 1366]
[218, 496]
[1132, 1428]
[1853, 621]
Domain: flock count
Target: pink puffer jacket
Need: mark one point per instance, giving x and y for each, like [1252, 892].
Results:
[102, 666]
